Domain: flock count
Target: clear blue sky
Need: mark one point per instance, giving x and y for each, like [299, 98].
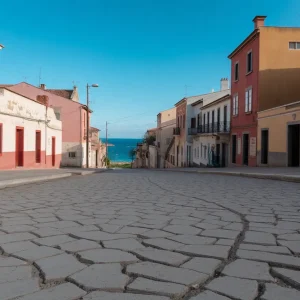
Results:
[141, 53]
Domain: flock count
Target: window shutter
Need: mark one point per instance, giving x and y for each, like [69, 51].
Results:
[246, 101]
[233, 106]
[236, 104]
[250, 99]
[37, 146]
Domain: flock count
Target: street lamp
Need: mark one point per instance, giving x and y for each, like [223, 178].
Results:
[1, 47]
[87, 121]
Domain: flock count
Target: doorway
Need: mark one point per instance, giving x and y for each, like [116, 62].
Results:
[246, 149]
[177, 156]
[19, 147]
[218, 154]
[294, 145]
[233, 154]
[96, 158]
[264, 146]
[224, 150]
[53, 151]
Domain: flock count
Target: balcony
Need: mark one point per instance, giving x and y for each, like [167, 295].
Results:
[217, 128]
[176, 131]
[192, 131]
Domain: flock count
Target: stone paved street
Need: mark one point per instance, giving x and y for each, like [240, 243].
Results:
[150, 235]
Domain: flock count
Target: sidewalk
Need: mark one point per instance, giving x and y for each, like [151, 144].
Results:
[283, 174]
[9, 178]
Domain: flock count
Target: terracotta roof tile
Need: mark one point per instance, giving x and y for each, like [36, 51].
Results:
[62, 93]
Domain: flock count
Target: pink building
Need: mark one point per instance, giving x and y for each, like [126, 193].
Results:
[73, 117]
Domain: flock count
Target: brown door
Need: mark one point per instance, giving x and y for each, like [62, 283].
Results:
[53, 151]
[19, 147]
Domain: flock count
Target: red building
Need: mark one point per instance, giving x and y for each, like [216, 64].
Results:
[244, 102]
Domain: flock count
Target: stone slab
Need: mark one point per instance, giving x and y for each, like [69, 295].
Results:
[208, 295]
[182, 229]
[156, 233]
[80, 245]
[161, 256]
[292, 245]
[273, 249]
[290, 276]
[65, 291]
[202, 265]
[107, 256]
[243, 268]
[16, 237]
[11, 290]
[166, 273]
[162, 243]
[142, 285]
[54, 240]
[15, 247]
[59, 267]
[101, 277]
[193, 240]
[99, 236]
[33, 254]
[217, 251]
[221, 233]
[276, 292]
[11, 262]
[262, 238]
[123, 244]
[9, 274]
[121, 296]
[272, 258]
[237, 288]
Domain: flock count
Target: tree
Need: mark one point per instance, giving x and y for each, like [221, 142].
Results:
[149, 139]
[106, 161]
[132, 154]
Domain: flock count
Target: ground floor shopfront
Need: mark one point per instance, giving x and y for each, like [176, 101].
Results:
[243, 146]
[279, 136]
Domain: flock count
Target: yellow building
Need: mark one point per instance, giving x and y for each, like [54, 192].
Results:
[278, 136]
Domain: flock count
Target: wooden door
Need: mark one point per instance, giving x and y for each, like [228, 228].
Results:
[53, 151]
[19, 147]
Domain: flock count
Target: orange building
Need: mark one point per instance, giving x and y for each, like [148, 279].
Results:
[265, 72]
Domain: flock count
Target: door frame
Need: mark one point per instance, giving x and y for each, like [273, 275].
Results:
[243, 142]
[53, 152]
[261, 145]
[287, 139]
[17, 144]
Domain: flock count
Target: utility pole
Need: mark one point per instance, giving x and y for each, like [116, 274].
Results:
[88, 121]
[106, 144]
[87, 125]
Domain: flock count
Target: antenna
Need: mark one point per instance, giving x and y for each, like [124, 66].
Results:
[40, 76]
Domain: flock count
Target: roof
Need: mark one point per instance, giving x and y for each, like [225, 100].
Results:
[152, 129]
[197, 102]
[94, 129]
[62, 93]
[216, 101]
[5, 85]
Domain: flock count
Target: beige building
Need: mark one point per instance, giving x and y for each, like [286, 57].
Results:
[98, 149]
[278, 136]
[166, 121]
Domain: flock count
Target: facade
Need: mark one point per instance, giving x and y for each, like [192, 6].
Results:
[265, 72]
[211, 138]
[98, 149]
[73, 117]
[30, 133]
[187, 117]
[166, 121]
[278, 136]
[65, 93]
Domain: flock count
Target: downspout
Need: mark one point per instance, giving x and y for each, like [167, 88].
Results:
[46, 117]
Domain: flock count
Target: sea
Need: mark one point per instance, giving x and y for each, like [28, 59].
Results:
[119, 152]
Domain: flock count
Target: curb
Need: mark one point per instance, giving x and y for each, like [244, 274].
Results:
[83, 173]
[289, 178]
[15, 182]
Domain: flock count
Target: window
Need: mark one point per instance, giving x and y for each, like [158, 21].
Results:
[72, 154]
[38, 145]
[195, 152]
[201, 150]
[248, 100]
[198, 121]
[235, 105]
[236, 71]
[249, 62]
[294, 45]
[198, 152]
[1, 137]
[193, 122]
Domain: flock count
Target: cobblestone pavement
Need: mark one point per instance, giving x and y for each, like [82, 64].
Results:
[146, 235]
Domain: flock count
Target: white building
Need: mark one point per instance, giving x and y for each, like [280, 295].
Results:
[30, 133]
[211, 136]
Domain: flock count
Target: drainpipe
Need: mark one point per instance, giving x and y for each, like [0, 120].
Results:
[46, 119]
[81, 154]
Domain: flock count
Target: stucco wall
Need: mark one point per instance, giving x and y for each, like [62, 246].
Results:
[152, 157]
[279, 67]
[18, 111]
[276, 121]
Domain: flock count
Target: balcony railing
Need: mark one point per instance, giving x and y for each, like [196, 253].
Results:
[217, 127]
[176, 131]
[192, 131]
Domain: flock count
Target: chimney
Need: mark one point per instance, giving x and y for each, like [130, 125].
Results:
[224, 84]
[42, 86]
[259, 21]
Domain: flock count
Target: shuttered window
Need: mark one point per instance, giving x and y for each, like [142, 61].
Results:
[38, 145]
